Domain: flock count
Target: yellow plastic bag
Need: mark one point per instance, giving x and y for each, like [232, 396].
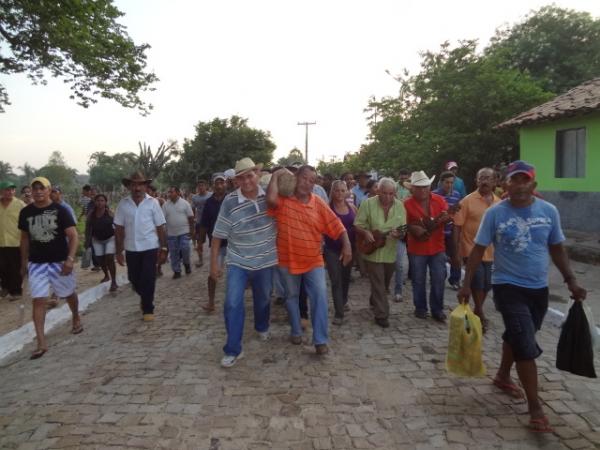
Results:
[464, 343]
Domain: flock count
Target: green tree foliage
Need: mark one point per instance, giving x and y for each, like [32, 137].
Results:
[79, 40]
[448, 112]
[152, 164]
[295, 156]
[218, 144]
[59, 173]
[28, 173]
[107, 171]
[6, 172]
[558, 47]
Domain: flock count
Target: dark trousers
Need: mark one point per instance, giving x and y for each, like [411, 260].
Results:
[339, 275]
[303, 301]
[10, 270]
[141, 270]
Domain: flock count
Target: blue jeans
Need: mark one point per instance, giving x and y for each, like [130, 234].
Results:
[278, 287]
[234, 309]
[316, 289]
[399, 279]
[437, 275]
[179, 246]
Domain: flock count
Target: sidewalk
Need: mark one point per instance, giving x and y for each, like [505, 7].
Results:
[127, 384]
[583, 247]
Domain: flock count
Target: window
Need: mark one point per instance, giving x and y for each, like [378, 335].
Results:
[570, 153]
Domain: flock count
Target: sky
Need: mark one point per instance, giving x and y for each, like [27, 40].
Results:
[274, 62]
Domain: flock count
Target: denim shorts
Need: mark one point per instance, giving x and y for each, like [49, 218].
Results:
[523, 310]
[482, 278]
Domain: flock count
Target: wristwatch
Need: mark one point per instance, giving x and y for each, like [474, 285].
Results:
[166, 249]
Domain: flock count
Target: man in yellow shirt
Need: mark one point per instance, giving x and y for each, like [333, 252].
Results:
[10, 240]
[466, 224]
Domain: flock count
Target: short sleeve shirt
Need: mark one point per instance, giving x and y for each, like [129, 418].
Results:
[140, 222]
[177, 216]
[521, 237]
[371, 217]
[414, 214]
[210, 212]
[46, 231]
[198, 203]
[300, 229]
[472, 209]
[451, 199]
[10, 236]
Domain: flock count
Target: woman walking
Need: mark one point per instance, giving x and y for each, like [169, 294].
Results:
[102, 231]
[338, 273]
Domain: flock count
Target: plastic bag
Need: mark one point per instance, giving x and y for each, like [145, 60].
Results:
[574, 352]
[464, 343]
[86, 258]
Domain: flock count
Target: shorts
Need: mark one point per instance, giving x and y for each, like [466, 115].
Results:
[42, 276]
[106, 247]
[523, 310]
[482, 278]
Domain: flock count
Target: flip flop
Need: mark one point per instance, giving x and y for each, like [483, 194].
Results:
[38, 353]
[509, 388]
[76, 330]
[541, 425]
[208, 308]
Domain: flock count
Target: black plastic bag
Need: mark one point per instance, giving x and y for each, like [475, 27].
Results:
[575, 352]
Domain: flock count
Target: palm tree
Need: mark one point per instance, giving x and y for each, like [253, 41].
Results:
[152, 164]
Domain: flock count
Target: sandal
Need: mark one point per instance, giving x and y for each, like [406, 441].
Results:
[509, 388]
[540, 425]
[38, 353]
[208, 308]
[77, 329]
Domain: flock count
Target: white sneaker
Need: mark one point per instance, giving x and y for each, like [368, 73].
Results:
[230, 360]
[264, 335]
[398, 298]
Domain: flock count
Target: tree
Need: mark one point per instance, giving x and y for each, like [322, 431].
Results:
[152, 164]
[558, 47]
[218, 144]
[79, 40]
[29, 173]
[107, 171]
[294, 157]
[6, 171]
[59, 173]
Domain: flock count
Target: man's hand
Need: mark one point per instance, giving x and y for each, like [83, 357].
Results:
[368, 236]
[464, 294]
[67, 267]
[577, 292]
[346, 256]
[215, 271]
[120, 259]
[162, 256]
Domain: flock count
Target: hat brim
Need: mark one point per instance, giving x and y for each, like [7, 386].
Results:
[248, 169]
[420, 183]
[127, 181]
[514, 172]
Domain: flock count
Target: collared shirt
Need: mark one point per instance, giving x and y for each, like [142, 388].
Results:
[451, 199]
[472, 209]
[140, 222]
[300, 229]
[10, 236]
[249, 231]
[177, 216]
[372, 217]
[415, 214]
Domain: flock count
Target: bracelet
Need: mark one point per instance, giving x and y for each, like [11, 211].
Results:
[166, 249]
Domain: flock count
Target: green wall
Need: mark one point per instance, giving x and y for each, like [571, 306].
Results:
[538, 148]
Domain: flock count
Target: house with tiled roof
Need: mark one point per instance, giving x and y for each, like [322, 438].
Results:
[562, 139]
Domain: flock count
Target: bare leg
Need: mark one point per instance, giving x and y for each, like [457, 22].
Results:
[110, 264]
[200, 254]
[73, 302]
[104, 268]
[212, 287]
[506, 363]
[39, 319]
[527, 371]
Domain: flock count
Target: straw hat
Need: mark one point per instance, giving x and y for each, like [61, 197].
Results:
[244, 165]
[136, 177]
[419, 179]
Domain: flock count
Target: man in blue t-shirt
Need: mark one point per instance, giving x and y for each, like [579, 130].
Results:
[525, 232]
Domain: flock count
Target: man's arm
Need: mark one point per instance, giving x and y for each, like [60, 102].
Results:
[561, 261]
[161, 231]
[346, 255]
[273, 188]
[24, 249]
[73, 240]
[456, 230]
[191, 224]
[215, 247]
[119, 243]
[473, 262]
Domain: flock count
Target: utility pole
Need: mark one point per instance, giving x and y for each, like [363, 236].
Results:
[306, 124]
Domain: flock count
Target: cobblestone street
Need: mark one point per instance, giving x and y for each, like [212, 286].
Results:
[124, 383]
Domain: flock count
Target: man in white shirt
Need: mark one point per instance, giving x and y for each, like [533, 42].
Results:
[180, 227]
[140, 231]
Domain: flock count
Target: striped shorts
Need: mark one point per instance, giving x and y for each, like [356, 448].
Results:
[42, 276]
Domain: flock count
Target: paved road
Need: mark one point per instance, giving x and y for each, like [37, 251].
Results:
[124, 383]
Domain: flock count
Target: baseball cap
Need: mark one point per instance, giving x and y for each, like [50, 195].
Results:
[451, 165]
[57, 188]
[229, 173]
[7, 185]
[219, 176]
[42, 180]
[520, 166]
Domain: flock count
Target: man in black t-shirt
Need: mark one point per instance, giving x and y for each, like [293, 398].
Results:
[48, 244]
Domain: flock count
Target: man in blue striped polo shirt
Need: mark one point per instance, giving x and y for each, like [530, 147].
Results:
[251, 256]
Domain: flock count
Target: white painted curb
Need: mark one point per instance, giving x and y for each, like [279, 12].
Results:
[15, 340]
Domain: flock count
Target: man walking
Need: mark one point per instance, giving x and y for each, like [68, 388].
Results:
[48, 243]
[466, 224]
[199, 199]
[140, 231]
[251, 255]
[10, 239]
[180, 227]
[524, 230]
[302, 219]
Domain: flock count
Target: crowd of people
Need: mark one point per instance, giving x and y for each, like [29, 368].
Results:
[281, 232]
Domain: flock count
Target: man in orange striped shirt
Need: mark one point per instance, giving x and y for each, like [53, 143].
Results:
[302, 219]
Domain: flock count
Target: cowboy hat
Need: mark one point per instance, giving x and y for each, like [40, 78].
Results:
[419, 179]
[136, 177]
[244, 165]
